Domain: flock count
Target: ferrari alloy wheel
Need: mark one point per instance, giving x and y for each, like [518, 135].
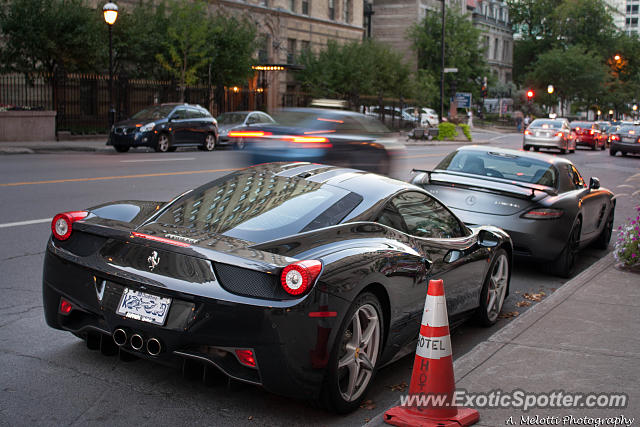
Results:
[567, 259]
[355, 355]
[163, 144]
[495, 289]
[209, 142]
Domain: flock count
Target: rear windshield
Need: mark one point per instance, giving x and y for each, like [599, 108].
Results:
[257, 206]
[501, 165]
[581, 125]
[546, 124]
[633, 130]
[154, 113]
[231, 118]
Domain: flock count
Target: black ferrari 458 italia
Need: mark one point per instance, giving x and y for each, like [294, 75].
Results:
[302, 278]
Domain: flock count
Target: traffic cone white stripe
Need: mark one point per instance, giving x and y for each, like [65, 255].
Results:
[434, 347]
[435, 312]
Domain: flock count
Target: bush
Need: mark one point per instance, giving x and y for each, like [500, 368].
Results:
[465, 130]
[446, 130]
[627, 247]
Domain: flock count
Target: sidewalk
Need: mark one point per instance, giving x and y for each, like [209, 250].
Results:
[582, 339]
[88, 143]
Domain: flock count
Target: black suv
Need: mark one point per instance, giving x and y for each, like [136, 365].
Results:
[166, 127]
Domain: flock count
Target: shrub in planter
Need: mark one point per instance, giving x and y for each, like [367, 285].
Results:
[446, 130]
[627, 246]
[465, 130]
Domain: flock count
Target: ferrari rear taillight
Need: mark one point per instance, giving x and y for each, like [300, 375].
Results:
[62, 224]
[248, 134]
[65, 307]
[543, 213]
[297, 278]
[246, 357]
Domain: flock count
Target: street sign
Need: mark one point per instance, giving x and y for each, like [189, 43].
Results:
[463, 99]
[450, 70]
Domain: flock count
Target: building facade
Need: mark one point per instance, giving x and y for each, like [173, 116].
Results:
[492, 18]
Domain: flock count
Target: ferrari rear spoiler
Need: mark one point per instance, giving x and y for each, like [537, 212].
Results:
[532, 188]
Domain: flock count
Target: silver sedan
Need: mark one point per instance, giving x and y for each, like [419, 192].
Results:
[549, 133]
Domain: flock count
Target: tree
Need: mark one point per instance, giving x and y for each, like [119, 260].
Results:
[187, 42]
[576, 74]
[39, 35]
[583, 22]
[355, 69]
[462, 49]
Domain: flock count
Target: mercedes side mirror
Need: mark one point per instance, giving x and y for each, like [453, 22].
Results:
[487, 239]
[594, 183]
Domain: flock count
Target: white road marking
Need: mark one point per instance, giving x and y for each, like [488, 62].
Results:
[19, 223]
[172, 159]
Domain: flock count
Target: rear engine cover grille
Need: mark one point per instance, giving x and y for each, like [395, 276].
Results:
[249, 283]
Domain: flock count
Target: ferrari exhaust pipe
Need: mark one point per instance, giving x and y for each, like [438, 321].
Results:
[120, 337]
[154, 347]
[136, 342]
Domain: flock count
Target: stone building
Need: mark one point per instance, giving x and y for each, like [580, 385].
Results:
[492, 18]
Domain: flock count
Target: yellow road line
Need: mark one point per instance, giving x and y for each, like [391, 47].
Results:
[107, 178]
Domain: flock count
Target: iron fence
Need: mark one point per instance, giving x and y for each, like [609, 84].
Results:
[82, 100]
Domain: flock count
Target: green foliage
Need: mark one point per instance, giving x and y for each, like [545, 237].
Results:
[40, 34]
[186, 44]
[627, 246]
[466, 131]
[354, 69]
[446, 130]
[462, 49]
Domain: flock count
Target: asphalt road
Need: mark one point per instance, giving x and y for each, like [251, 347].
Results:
[49, 377]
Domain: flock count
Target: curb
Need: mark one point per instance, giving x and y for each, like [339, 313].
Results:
[482, 352]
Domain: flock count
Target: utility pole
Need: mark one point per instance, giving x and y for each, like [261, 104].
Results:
[442, 66]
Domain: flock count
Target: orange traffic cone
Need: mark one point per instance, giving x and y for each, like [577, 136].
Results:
[430, 400]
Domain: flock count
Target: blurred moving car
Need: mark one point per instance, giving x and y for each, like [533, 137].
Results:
[549, 133]
[541, 201]
[589, 134]
[165, 127]
[428, 116]
[611, 130]
[235, 119]
[300, 278]
[625, 140]
[337, 137]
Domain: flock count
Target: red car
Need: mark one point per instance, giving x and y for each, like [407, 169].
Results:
[589, 134]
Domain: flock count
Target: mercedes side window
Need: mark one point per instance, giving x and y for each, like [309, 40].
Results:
[575, 179]
[426, 217]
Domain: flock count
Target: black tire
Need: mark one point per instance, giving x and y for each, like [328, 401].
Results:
[602, 241]
[603, 147]
[612, 152]
[121, 148]
[566, 261]
[164, 143]
[595, 147]
[333, 394]
[572, 151]
[498, 278]
[563, 151]
[526, 148]
[209, 143]
[536, 148]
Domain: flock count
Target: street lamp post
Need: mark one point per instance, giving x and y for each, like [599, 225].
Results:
[442, 66]
[110, 11]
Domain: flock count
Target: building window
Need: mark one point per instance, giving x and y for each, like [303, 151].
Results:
[496, 49]
[305, 46]
[305, 7]
[263, 50]
[634, 22]
[346, 13]
[291, 51]
[332, 9]
[264, 3]
[292, 5]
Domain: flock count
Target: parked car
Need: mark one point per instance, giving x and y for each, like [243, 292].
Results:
[589, 134]
[549, 133]
[625, 140]
[393, 117]
[541, 201]
[428, 116]
[322, 135]
[301, 278]
[236, 119]
[166, 127]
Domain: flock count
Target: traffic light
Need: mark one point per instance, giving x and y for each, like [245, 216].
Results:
[530, 94]
[484, 91]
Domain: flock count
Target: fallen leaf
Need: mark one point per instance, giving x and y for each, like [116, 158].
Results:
[366, 420]
[534, 297]
[250, 417]
[508, 315]
[523, 304]
[368, 404]
[399, 387]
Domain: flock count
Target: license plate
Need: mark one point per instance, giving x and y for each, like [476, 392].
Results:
[143, 306]
[627, 139]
